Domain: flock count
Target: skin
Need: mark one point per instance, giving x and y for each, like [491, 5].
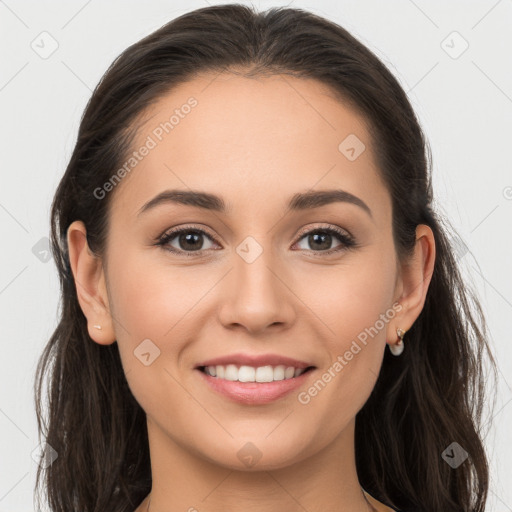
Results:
[255, 142]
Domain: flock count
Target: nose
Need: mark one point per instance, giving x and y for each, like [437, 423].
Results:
[255, 294]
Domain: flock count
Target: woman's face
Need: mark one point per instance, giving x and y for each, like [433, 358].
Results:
[249, 279]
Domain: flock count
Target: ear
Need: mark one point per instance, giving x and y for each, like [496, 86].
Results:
[413, 282]
[90, 285]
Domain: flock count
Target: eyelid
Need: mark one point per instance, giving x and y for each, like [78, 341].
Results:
[347, 241]
[169, 234]
[319, 226]
[303, 231]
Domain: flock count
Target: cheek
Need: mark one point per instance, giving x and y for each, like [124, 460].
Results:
[155, 301]
[150, 303]
[357, 307]
[350, 298]
[149, 296]
[363, 299]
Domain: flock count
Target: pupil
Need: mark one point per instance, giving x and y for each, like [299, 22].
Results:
[188, 238]
[324, 235]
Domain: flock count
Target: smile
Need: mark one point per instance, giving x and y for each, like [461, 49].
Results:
[254, 386]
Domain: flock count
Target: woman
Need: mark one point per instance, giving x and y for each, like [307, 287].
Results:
[245, 224]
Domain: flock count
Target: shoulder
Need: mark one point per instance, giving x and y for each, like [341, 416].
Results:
[379, 507]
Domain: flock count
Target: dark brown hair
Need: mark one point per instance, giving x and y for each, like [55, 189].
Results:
[423, 401]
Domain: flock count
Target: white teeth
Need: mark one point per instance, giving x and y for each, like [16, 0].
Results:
[250, 374]
[264, 374]
[246, 374]
[289, 373]
[231, 372]
[279, 372]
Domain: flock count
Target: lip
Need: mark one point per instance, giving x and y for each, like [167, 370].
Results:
[255, 360]
[254, 393]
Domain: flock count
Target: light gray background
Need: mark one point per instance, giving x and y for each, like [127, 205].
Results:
[464, 103]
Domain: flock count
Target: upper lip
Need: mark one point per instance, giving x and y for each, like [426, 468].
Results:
[255, 360]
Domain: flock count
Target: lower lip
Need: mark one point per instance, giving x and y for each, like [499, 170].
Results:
[254, 393]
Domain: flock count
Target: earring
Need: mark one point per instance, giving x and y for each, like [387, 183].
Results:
[398, 348]
[97, 327]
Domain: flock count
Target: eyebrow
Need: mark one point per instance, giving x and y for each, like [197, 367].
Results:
[298, 202]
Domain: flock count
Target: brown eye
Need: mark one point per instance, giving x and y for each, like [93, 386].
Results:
[321, 240]
[190, 241]
[185, 240]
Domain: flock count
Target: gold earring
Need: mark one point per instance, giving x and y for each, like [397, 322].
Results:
[398, 348]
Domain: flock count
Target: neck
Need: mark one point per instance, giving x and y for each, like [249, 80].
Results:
[325, 480]
[371, 508]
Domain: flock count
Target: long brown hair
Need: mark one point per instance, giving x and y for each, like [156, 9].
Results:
[423, 401]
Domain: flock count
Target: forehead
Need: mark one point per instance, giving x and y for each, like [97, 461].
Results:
[252, 141]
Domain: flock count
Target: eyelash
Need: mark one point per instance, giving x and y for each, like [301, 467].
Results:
[347, 241]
